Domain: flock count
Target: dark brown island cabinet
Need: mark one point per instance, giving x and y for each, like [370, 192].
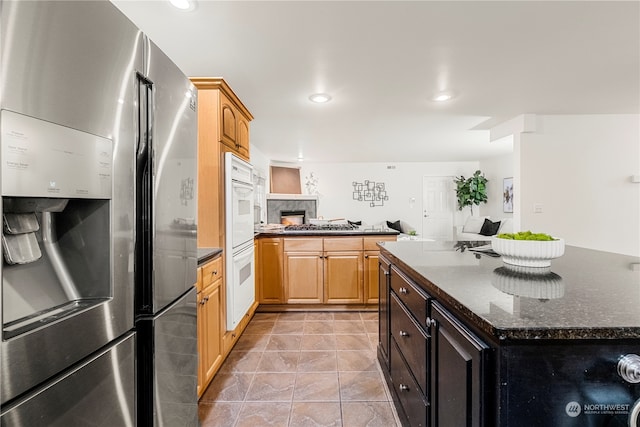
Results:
[468, 341]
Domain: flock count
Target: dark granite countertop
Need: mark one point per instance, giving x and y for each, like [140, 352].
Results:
[586, 294]
[207, 254]
[323, 233]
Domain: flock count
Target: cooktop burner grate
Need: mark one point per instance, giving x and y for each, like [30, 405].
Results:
[313, 227]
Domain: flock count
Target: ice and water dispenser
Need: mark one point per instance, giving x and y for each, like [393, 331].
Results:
[56, 191]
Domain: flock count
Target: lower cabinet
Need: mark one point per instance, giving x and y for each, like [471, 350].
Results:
[458, 367]
[436, 367]
[318, 270]
[210, 314]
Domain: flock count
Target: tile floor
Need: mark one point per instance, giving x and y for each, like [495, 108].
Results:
[302, 369]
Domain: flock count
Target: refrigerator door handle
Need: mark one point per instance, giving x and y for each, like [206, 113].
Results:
[144, 207]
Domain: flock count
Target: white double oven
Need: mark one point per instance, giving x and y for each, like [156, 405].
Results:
[239, 232]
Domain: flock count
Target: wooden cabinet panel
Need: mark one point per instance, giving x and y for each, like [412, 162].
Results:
[411, 400]
[270, 271]
[342, 244]
[243, 136]
[228, 122]
[412, 341]
[303, 277]
[303, 244]
[457, 373]
[209, 318]
[343, 277]
[383, 311]
[371, 242]
[409, 293]
[371, 285]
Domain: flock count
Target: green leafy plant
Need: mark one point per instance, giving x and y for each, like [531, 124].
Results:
[525, 235]
[471, 191]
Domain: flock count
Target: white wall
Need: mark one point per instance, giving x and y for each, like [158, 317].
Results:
[578, 170]
[495, 170]
[402, 183]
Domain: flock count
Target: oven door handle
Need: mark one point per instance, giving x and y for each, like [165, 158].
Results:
[244, 253]
[238, 184]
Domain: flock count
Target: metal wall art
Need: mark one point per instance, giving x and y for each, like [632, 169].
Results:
[370, 191]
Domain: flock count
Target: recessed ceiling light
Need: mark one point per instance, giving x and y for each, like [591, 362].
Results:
[182, 4]
[320, 98]
[443, 96]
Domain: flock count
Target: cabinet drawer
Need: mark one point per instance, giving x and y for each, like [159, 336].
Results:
[312, 244]
[211, 272]
[413, 298]
[413, 404]
[371, 243]
[343, 244]
[412, 341]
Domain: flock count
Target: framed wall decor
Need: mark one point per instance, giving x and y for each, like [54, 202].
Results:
[507, 194]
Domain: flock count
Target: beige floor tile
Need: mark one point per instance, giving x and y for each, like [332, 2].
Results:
[349, 327]
[316, 414]
[353, 342]
[319, 315]
[357, 360]
[367, 414]
[292, 316]
[288, 327]
[260, 328]
[284, 342]
[317, 361]
[272, 387]
[371, 326]
[300, 369]
[278, 361]
[251, 342]
[219, 414]
[350, 315]
[259, 317]
[317, 387]
[264, 414]
[314, 327]
[361, 386]
[318, 342]
[228, 387]
[241, 361]
[369, 315]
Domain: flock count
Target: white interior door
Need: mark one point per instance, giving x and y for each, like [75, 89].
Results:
[437, 207]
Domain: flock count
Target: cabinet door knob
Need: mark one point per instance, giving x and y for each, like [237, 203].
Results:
[404, 387]
[366, 256]
[430, 322]
[215, 272]
[386, 273]
[403, 290]
[629, 368]
[404, 334]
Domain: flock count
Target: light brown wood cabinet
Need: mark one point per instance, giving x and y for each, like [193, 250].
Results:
[318, 270]
[303, 270]
[223, 125]
[269, 271]
[343, 260]
[210, 321]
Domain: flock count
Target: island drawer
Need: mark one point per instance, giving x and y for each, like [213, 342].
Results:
[412, 341]
[416, 300]
[411, 400]
[371, 242]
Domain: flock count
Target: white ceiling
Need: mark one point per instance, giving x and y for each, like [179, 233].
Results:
[382, 61]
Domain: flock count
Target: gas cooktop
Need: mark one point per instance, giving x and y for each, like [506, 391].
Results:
[324, 227]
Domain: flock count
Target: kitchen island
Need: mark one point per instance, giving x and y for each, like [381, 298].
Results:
[466, 340]
[318, 269]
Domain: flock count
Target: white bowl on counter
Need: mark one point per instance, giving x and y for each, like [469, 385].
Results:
[528, 253]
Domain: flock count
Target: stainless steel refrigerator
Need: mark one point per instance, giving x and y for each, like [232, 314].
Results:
[98, 159]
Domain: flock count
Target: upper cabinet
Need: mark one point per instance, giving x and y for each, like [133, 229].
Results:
[232, 117]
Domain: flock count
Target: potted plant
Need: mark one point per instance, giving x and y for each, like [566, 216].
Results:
[471, 191]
